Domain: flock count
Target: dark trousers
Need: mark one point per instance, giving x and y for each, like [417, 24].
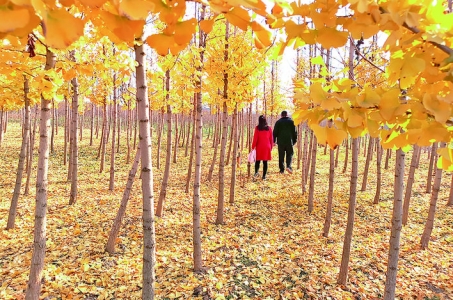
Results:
[282, 150]
[257, 167]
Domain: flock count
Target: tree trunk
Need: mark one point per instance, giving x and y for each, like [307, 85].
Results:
[450, 197]
[74, 150]
[309, 155]
[216, 148]
[30, 152]
[343, 276]
[387, 158]
[235, 155]
[379, 150]
[149, 233]
[92, 124]
[52, 136]
[66, 131]
[163, 188]
[112, 152]
[188, 135]
[392, 264]
[103, 137]
[197, 259]
[118, 131]
[311, 188]
[429, 225]
[337, 151]
[176, 138]
[39, 235]
[328, 219]
[410, 182]
[189, 169]
[22, 155]
[431, 167]
[367, 163]
[346, 156]
[128, 131]
[305, 159]
[110, 247]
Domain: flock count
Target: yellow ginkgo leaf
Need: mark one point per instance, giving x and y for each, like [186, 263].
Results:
[206, 25]
[440, 109]
[238, 17]
[184, 31]
[62, 28]
[368, 99]
[330, 103]
[93, 3]
[264, 37]
[330, 37]
[13, 17]
[335, 137]
[33, 22]
[137, 9]
[317, 93]
[123, 28]
[160, 42]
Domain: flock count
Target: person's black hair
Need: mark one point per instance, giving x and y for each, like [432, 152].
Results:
[262, 123]
[284, 113]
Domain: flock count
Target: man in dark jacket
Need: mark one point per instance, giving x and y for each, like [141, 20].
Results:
[285, 136]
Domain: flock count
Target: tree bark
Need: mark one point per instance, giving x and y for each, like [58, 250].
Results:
[30, 152]
[74, 148]
[450, 197]
[92, 124]
[377, 196]
[410, 182]
[235, 155]
[22, 155]
[176, 138]
[429, 225]
[395, 233]
[149, 233]
[189, 169]
[103, 137]
[114, 117]
[39, 235]
[110, 246]
[311, 188]
[343, 276]
[52, 136]
[387, 158]
[367, 163]
[66, 131]
[328, 219]
[429, 178]
[163, 188]
[221, 193]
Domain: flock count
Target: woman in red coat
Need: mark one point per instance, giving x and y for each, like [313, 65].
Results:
[262, 143]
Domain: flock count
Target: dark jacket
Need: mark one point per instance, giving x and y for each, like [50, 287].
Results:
[285, 132]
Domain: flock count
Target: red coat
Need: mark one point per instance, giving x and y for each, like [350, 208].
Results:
[262, 142]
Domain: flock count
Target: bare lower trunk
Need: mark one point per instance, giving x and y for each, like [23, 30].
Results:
[377, 196]
[92, 124]
[311, 188]
[163, 187]
[22, 155]
[176, 138]
[343, 275]
[429, 225]
[74, 150]
[429, 178]
[410, 182]
[188, 135]
[367, 163]
[235, 155]
[110, 247]
[52, 135]
[221, 193]
[328, 219]
[39, 235]
[189, 169]
[450, 197]
[337, 151]
[149, 234]
[305, 160]
[395, 233]
[160, 128]
[66, 131]
[103, 138]
[346, 156]
[112, 152]
[30, 152]
[387, 158]
[299, 145]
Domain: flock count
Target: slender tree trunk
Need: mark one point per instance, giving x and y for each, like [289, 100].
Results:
[343, 275]
[235, 155]
[39, 235]
[22, 155]
[377, 196]
[114, 117]
[346, 156]
[197, 259]
[410, 182]
[328, 219]
[1, 126]
[92, 124]
[82, 121]
[189, 170]
[66, 131]
[103, 137]
[337, 151]
[149, 233]
[392, 264]
[135, 126]
[429, 225]
[74, 150]
[52, 136]
[216, 147]
[160, 128]
[176, 138]
[429, 178]
[71, 135]
[30, 152]
[128, 131]
[163, 188]
[118, 131]
[110, 247]
[299, 145]
[188, 135]
[387, 158]
[230, 144]
[311, 188]
[450, 196]
[97, 122]
[367, 163]
[305, 159]
[309, 155]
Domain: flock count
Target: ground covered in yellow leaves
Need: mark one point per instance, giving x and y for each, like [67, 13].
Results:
[269, 248]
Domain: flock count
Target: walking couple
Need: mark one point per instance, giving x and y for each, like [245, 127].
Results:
[284, 135]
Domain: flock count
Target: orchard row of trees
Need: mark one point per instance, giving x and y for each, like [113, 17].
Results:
[399, 92]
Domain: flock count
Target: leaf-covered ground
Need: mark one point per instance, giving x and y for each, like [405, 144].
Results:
[269, 248]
